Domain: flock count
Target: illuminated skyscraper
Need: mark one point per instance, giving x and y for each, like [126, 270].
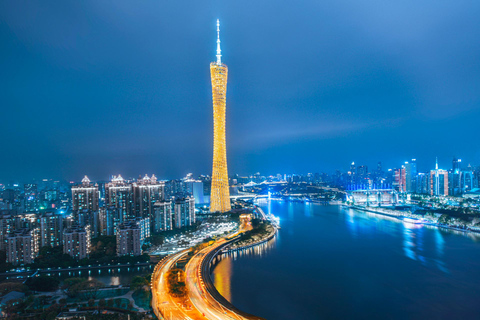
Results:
[220, 194]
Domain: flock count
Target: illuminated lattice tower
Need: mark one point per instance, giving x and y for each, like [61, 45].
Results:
[220, 193]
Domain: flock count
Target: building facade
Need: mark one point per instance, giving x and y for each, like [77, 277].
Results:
[129, 239]
[85, 196]
[184, 212]
[76, 242]
[20, 247]
[162, 216]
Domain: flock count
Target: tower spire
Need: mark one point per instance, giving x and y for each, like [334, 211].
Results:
[219, 52]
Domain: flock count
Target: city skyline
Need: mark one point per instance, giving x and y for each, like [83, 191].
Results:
[331, 89]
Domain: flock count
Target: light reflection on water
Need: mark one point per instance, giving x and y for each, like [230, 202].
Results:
[223, 271]
[380, 267]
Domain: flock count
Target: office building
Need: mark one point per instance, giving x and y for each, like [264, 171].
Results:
[410, 176]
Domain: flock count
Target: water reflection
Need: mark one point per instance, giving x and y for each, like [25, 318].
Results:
[223, 270]
[222, 278]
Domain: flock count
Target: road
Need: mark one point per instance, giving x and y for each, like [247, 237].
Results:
[164, 305]
[203, 302]
[203, 294]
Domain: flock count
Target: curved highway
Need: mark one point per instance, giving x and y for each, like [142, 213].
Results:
[202, 292]
[204, 301]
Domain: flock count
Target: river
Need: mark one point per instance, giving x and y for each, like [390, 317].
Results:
[328, 262]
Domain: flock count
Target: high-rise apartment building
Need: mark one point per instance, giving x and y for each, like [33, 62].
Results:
[184, 212]
[220, 193]
[162, 216]
[118, 194]
[50, 227]
[129, 239]
[146, 192]
[108, 219]
[85, 196]
[20, 247]
[76, 242]
[7, 225]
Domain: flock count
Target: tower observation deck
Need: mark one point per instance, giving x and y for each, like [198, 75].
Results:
[220, 193]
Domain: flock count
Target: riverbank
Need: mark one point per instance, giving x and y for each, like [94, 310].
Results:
[408, 214]
[254, 239]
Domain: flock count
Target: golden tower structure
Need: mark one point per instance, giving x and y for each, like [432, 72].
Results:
[220, 193]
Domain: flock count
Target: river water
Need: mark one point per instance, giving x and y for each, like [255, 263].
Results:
[328, 262]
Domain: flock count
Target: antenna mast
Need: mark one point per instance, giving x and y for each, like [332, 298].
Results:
[219, 52]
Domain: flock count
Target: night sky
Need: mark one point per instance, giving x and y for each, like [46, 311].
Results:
[107, 87]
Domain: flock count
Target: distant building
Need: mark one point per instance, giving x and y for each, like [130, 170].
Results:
[30, 197]
[195, 189]
[410, 176]
[129, 239]
[85, 196]
[7, 225]
[20, 247]
[400, 180]
[76, 242]
[162, 216]
[438, 182]
[422, 183]
[184, 212]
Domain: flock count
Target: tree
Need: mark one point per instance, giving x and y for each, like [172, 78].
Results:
[130, 305]
[89, 288]
[118, 302]
[102, 303]
[91, 302]
[137, 283]
[7, 287]
[43, 283]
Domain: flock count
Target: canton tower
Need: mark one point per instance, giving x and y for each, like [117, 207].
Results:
[220, 193]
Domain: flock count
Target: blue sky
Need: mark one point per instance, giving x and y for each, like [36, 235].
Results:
[107, 87]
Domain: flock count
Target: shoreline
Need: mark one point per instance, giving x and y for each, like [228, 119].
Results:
[207, 267]
[433, 224]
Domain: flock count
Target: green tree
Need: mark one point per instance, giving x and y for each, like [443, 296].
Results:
[137, 283]
[43, 283]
